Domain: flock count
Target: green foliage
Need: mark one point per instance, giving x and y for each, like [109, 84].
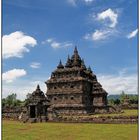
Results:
[117, 102]
[133, 99]
[122, 97]
[111, 101]
[11, 101]
[114, 101]
[3, 102]
[119, 99]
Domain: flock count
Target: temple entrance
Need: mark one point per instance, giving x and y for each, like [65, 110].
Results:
[32, 111]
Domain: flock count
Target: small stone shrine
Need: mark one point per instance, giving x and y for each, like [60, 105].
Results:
[37, 104]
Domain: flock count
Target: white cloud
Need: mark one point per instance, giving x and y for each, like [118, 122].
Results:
[13, 74]
[100, 34]
[108, 14]
[22, 88]
[87, 36]
[35, 65]
[49, 40]
[116, 83]
[56, 45]
[88, 1]
[132, 34]
[108, 29]
[72, 2]
[16, 43]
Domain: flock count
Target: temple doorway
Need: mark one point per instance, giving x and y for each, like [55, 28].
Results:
[32, 111]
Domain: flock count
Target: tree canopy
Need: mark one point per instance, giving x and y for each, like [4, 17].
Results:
[11, 100]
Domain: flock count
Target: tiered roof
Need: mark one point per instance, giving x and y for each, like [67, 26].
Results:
[60, 65]
[74, 61]
[38, 96]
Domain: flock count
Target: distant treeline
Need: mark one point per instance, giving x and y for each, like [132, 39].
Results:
[12, 101]
[120, 99]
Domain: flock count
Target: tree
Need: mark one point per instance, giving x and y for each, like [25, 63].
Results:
[111, 101]
[117, 102]
[3, 102]
[122, 96]
[18, 102]
[133, 99]
[11, 99]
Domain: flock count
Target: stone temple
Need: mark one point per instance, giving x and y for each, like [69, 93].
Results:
[73, 88]
[37, 104]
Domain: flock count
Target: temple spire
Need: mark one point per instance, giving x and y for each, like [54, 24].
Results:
[75, 50]
[38, 87]
[83, 64]
[89, 69]
[60, 66]
[38, 91]
[76, 60]
[68, 63]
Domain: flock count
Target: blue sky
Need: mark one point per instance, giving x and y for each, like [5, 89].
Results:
[37, 34]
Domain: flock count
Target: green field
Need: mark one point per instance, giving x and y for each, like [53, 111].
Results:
[129, 112]
[12, 130]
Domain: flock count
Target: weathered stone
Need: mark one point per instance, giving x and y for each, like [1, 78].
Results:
[74, 89]
[37, 107]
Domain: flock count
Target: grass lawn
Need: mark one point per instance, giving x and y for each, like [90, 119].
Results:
[12, 130]
[128, 112]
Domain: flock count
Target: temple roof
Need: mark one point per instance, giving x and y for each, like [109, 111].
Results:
[89, 69]
[38, 92]
[68, 63]
[83, 64]
[73, 71]
[60, 66]
[76, 59]
[37, 96]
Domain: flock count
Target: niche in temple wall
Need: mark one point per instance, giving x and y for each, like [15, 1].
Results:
[97, 99]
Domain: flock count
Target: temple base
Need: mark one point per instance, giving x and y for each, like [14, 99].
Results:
[57, 111]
